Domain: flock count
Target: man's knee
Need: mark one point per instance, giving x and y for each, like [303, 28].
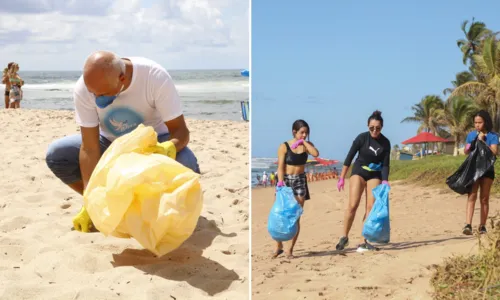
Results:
[187, 158]
[62, 158]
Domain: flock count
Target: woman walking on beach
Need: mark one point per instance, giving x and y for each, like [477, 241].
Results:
[483, 125]
[370, 169]
[292, 159]
[16, 82]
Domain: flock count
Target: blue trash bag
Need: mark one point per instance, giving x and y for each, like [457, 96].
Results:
[377, 228]
[282, 221]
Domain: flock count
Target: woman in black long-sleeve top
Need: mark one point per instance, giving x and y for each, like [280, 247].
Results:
[370, 169]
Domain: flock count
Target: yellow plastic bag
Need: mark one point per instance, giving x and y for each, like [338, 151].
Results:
[136, 193]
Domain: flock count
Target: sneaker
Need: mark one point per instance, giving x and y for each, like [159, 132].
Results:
[482, 229]
[343, 242]
[467, 230]
[366, 247]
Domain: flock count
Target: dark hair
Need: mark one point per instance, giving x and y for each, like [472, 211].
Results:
[377, 116]
[299, 124]
[488, 123]
[10, 64]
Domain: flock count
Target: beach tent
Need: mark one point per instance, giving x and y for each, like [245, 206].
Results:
[424, 138]
[245, 73]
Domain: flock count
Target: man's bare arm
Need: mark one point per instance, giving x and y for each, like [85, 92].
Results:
[179, 133]
[90, 152]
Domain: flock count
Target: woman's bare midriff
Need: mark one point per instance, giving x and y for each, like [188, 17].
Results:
[294, 170]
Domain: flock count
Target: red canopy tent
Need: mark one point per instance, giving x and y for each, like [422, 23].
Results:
[424, 137]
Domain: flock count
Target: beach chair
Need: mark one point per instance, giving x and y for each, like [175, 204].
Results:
[245, 110]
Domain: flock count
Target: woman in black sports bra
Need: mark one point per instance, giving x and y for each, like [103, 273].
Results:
[370, 169]
[292, 159]
[6, 81]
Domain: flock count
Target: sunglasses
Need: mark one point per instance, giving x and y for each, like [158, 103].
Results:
[373, 128]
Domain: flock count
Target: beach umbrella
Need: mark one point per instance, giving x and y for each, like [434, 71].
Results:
[326, 162]
[245, 73]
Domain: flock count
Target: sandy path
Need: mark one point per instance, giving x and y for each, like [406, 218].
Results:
[426, 226]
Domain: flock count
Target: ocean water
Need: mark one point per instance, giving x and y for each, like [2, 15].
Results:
[259, 165]
[206, 94]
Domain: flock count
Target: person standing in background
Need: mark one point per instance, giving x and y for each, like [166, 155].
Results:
[6, 81]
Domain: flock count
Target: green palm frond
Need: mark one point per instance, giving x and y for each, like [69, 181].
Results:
[411, 120]
[477, 30]
[463, 26]
[488, 57]
[460, 79]
[469, 88]
[428, 112]
[461, 42]
[447, 91]
[458, 114]
[463, 77]
[475, 34]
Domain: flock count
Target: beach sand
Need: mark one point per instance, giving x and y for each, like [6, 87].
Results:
[426, 227]
[42, 258]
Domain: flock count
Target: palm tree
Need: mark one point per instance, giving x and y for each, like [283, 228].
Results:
[428, 113]
[457, 117]
[486, 91]
[460, 78]
[394, 152]
[474, 35]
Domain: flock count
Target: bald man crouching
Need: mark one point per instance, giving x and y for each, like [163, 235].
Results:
[112, 97]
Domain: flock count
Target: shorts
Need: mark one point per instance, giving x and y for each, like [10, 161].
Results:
[489, 174]
[7, 93]
[365, 174]
[298, 183]
[15, 94]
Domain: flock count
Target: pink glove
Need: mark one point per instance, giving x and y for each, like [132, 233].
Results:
[280, 184]
[386, 182]
[297, 143]
[340, 184]
[467, 147]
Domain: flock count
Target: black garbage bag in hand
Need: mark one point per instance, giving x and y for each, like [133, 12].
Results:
[479, 161]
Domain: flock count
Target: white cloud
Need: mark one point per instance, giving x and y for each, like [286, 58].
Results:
[180, 34]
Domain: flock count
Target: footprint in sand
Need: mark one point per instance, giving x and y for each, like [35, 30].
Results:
[238, 248]
[65, 206]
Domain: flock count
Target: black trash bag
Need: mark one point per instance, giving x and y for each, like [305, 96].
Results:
[479, 161]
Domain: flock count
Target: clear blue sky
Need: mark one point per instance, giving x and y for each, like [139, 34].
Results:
[333, 63]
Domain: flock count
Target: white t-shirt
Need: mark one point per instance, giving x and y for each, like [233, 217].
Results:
[151, 99]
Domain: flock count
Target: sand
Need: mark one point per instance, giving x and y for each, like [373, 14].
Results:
[42, 258]
[426, 227]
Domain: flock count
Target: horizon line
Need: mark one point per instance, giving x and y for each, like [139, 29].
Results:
[192, 69]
